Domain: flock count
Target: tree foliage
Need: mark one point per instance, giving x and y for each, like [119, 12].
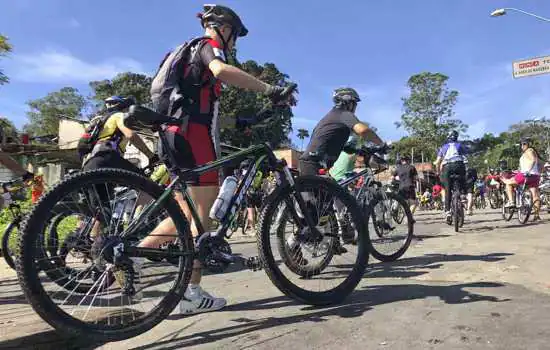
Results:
[238, 103]
[45, 113]
[302, 135]
[8, 130]
[5, 48]
[428, 114]
[124, 84]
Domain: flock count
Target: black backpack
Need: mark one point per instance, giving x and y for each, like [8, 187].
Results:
[168, 86]
[90, 136]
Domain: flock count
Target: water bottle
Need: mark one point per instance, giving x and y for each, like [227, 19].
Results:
[224, 198]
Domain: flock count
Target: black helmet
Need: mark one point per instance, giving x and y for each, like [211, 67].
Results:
[503, 164]
[215, 15]
[345, 95]
[405, 158]
[453, 136]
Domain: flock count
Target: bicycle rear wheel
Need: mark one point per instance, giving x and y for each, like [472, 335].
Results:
[456, 210]
[104, 312]
[389, 238]
[329, 280]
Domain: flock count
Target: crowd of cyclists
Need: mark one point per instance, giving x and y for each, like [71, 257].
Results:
[333, 145]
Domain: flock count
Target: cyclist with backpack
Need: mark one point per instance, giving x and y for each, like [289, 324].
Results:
[450, 161]
[105, 140]
[188, 86]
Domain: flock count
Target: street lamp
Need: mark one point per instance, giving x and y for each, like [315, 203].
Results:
[502, 12]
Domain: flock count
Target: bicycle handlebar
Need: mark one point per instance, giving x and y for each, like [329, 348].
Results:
[243, 122]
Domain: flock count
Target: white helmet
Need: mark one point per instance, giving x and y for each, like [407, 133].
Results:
[547, 165]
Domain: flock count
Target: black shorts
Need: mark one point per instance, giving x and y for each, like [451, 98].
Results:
[408, 193]
[454, 169]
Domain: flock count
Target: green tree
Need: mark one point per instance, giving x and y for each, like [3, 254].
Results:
[45, 113]
[5, 48]
[236, 102]
[428, 110]
[302, 135]
[8, 130]
[124, 84]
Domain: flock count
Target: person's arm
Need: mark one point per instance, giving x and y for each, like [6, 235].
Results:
[234, 76]
[134, 138]
[437, 164]
[367, 133]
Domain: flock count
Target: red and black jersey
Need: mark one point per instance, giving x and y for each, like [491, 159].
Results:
[201, 87]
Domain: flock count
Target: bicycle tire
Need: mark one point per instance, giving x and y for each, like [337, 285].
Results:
[35, 293]
[507, 213]
[410, 227]
[338, 293]
[524, 211]
[6, 251]
[456, 215]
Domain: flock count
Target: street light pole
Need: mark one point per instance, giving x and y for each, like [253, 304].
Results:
[502, 12]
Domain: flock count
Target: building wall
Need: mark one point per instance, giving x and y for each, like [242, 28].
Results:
[290, 155]
[69, 133]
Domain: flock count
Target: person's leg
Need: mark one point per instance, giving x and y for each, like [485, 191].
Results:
[412, 199]
[469, 197]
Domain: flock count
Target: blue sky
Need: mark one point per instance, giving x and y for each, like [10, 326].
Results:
[373, 46]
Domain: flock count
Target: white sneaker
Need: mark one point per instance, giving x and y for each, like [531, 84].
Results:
[198, 301]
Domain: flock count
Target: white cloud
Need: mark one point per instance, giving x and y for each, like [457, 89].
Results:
[478, 129]
[74, 23]
[55, 66]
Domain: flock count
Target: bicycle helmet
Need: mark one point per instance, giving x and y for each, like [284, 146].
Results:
[344, 95]
[453, 136]
[525, 140]
[503, 164]
[217, 15]
[117, 103]
[113, 101]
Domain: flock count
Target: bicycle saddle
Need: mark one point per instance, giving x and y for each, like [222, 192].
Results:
[139, 117]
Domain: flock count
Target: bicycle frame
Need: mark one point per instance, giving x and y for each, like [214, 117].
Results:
[260, 153]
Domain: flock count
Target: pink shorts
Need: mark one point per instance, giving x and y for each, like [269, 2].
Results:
[532, 180]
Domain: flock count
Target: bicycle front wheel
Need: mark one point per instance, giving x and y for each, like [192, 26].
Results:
[390, 238]
[312, 264]
[144, 293]
[524, 207]
[9, 239]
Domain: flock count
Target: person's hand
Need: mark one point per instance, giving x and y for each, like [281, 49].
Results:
[278, 94]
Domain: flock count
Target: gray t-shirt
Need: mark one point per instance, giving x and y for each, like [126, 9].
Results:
[330, 135]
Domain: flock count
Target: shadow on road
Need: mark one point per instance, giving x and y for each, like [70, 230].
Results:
[49, 340]
[418, 265]
[360, 302]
